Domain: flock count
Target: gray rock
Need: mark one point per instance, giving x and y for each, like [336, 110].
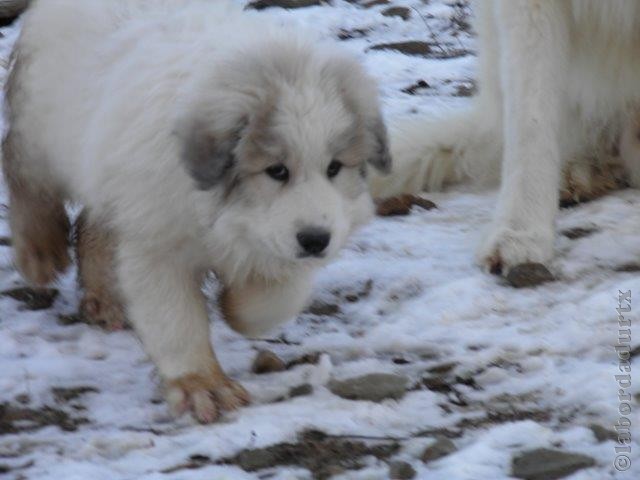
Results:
[289, 4]
[267, 362]
[401, 471]
[251, 460]
[602, 434]
[374, 387]
[402, 12]
[323, 309]
[529, 275]
[579, 232]
[374, 3]
[441, 448]
[545, 464]
[412, 47]
[301, 390]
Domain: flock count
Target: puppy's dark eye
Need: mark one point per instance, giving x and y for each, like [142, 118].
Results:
[278, 172]
[334, 168]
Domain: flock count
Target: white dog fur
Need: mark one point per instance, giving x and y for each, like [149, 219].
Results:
[559, 83]
[171, 122]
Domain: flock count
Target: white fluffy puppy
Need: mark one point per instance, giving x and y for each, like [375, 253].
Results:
[198, 137]
[559, 81]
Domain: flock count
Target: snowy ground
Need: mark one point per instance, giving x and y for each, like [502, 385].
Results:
[497, 371]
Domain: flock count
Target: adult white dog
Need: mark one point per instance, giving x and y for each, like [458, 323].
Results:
[198, 137]
[558, 82]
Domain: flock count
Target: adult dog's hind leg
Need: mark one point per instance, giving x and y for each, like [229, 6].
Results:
[37, 217]
[534, 38]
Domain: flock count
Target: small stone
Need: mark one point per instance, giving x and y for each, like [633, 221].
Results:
[267, 362]
[415, 87]
[323, 309]
[289, 4]
[401, 471]
[349, 34]
[307, 359]
[441, 448]
[437, 384]
[401, 205]
[374, 387]
[33, 298]
[528, 275]
[579, 232]
[252, 460]
[71, 319]
[545, 464]
[68, 394]
[375, 3]
[414, 47]
[5, 242]
[627, 268]
[403, 12]
[464, 91]
[301, 390]
[602, 434]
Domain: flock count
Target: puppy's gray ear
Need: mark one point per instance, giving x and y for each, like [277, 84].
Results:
[380, 157]
[207, 155]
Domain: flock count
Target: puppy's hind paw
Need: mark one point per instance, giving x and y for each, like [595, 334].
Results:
[206, 396]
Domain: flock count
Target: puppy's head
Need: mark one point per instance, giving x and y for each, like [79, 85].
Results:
[281, 138]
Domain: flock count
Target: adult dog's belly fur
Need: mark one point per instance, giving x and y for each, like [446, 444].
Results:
[559, 84]
[166, 120]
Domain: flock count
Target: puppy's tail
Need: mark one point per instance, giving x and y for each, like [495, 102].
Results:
[430, 153]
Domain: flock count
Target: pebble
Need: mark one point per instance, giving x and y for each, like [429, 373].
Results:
[545, 464]
[441, 448]
[267, 362]
[401, 471]
[374, 387]
[529, 275]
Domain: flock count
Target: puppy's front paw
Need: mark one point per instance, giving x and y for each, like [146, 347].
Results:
[206, 396]
[505, 248]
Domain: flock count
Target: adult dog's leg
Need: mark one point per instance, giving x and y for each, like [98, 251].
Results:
[167, 309]
[534, 45]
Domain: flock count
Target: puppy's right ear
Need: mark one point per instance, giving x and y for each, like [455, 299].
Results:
[208, 155]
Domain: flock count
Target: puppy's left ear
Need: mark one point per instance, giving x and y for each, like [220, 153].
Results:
[380, 156]
[360, 94]
[208, 155]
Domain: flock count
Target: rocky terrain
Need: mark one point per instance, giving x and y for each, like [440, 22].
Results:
[409, 363]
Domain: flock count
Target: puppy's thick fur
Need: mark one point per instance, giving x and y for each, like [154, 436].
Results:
[559, 87]
[198, 137]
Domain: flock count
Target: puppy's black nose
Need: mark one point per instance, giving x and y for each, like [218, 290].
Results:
[313, 240]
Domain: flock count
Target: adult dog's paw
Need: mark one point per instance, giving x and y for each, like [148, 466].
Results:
[206, 396]
[504, 249]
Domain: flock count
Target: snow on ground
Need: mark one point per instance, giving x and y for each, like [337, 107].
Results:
[496, 370]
